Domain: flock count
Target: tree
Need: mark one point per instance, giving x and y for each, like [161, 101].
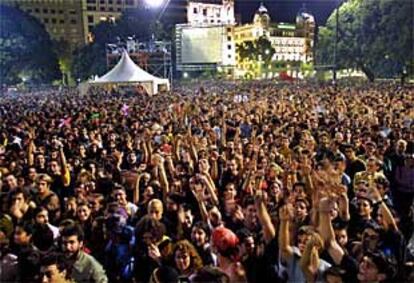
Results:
[64, 53]
[264, 49]
[259, 51]
[91, 59]
[261, 48]
[26, 50]
[373, 35]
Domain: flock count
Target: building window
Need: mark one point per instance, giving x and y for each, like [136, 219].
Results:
[195, 11]
[91, 1]
[37, 10]
[73, 21]
[111, 9]
[54, 21]
[129, 2]
[62, 21]
[204, 12]
[119, 9]
[228, 38]
[61, 12]
[102, 2]
[72, 12]
[52, 11]
[45, 11]
[46, 20]
[110, 2]
[102, 8]
[90, 19]
[90, 8]
[119, 2]
[229, 56]
[229, 46]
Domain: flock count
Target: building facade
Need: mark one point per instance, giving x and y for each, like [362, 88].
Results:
[291, 42]
[213, 12]
[61, 18]
[96, 11]
[73, 20]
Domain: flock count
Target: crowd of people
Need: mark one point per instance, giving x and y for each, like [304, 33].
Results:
[216, 182]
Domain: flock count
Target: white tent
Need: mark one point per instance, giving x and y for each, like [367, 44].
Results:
[127, 72]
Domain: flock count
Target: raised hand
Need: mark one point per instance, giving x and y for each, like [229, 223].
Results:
[286, 212]
[154, 252]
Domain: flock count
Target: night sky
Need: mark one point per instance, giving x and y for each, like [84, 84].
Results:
[286, 10]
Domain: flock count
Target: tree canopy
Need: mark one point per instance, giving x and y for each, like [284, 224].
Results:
[26, 50]
[259, 50]
[375, 36]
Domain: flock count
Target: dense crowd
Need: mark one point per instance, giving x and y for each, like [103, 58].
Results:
[219, 182]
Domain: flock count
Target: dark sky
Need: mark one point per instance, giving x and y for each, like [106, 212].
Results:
[285, 10]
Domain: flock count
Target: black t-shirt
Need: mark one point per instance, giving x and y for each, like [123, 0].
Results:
[264, 268]
[354, 167]
[206, 255]
[350, 265]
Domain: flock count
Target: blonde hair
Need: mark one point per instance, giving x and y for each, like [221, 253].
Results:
[44, 177]
[155, 202]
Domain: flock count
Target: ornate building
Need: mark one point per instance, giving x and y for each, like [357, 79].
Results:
[292, 42]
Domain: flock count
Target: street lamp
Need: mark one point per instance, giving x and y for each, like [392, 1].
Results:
[336, 41]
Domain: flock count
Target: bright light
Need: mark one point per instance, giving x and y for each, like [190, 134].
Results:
[267, 51]
[154, 3]
[185, 75]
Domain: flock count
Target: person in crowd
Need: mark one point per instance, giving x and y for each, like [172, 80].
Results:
[295, 182]
[85, 268]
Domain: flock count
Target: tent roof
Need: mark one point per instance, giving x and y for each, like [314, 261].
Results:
[126, 71]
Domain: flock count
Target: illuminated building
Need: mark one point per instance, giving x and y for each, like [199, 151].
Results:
[292, 42]
[214, 12]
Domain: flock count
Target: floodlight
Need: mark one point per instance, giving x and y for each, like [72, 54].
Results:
[154, 3]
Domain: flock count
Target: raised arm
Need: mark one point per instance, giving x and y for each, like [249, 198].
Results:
[269, 231]
[310, 261]
[135, 196]
[163, 178]
[211, 188]
[30, 152]
[285, 215]
[65, 168]
[327, 232]
[343, 205]
[388, 218]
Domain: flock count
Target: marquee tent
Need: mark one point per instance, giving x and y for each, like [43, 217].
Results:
[126, 72]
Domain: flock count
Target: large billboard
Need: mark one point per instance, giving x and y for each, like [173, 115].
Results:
[202, 45]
